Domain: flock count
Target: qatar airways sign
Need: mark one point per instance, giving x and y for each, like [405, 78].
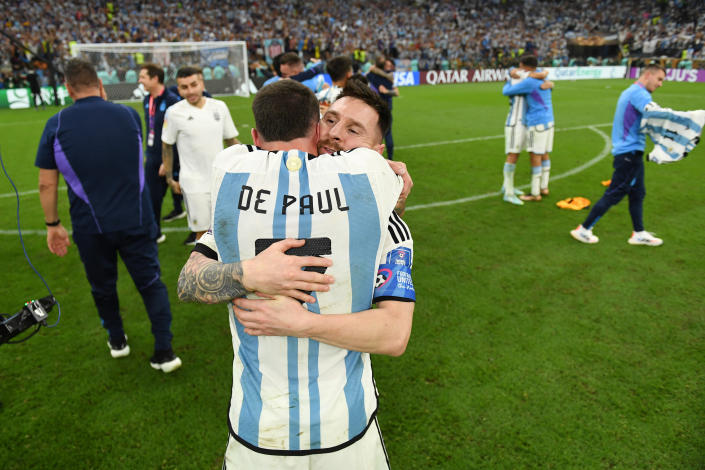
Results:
[440, 77]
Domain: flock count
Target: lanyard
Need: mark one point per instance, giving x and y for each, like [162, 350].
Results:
[152, 110]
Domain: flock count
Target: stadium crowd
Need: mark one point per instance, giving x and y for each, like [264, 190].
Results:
[418, 34]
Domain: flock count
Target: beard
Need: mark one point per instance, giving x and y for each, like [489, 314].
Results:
[327, 146]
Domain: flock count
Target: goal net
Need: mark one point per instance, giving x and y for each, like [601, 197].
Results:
[224, 65]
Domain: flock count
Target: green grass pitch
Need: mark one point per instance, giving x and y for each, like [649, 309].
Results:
[529, 350]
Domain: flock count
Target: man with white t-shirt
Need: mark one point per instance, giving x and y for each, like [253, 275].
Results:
[198, 126]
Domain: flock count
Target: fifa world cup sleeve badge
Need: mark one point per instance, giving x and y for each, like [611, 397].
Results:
[393, 278]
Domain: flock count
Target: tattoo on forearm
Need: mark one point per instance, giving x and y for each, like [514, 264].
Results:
[210, 282]
[168, 159]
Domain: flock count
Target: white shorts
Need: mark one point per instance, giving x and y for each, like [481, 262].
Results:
[514, 138]
[368, 453]
[198, 210]
[540, 140]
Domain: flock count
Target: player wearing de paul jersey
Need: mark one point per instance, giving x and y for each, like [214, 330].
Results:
[303, 391]
[347, 199]
[197, 125]
[539, 120]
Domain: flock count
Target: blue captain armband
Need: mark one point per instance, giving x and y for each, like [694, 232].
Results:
[393, 281]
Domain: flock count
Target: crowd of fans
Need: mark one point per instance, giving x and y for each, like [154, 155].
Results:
[421, 34]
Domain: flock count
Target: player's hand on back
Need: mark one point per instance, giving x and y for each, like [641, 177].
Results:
[276, 316]
[274, 272]
[400, 169]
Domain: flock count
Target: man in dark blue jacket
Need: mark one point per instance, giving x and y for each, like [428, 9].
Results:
[97, 146]
[384, 86]
[155, 105]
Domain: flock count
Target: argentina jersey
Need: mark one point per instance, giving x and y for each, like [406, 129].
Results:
[296, 395]
[517, 103]
[517, 111]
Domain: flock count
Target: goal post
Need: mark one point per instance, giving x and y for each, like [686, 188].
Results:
[224, 65]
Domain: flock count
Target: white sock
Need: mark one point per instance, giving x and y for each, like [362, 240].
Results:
[545, 173]
[535, 180]
[509, 178]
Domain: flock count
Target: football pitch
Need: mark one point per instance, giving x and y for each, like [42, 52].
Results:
[528, 350]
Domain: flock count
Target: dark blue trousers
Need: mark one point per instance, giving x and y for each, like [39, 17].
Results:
[177, 199]
[156, 185]
[628, 178]
[138, 251]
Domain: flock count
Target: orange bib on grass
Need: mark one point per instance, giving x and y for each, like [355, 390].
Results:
[574, 203]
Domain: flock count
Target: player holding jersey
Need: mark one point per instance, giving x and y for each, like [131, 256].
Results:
[539, 119]
[197, 125]
[628, 143]
[303, 391]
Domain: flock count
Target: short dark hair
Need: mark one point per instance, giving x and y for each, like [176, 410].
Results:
[338, 67]
[529, 60]
[276, 65]
[360, 78]
[153, 70]
[285, 58]
[80, 74]
[285, 110]
[379, 61]
[356, 89]
[187, 71]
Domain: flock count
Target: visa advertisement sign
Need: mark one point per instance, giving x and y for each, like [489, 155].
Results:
[406, 78]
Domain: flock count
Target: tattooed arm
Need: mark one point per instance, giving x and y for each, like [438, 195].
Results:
[206, 280]
[168, 162]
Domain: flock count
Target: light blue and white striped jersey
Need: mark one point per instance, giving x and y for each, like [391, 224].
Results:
[674, 133]
[328, 95]
[517, 103]
[540, 107]
[296, 395]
